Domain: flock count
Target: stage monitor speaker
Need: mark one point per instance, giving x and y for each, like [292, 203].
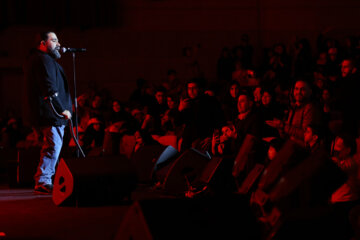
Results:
[93, 181]
[210, 169]
[147, 159]
[251, 178]
[183, 218]
[290, 153]
[243, 159]
[184, 171]
[134, 225]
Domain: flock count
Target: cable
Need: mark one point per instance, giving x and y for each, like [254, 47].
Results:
[71, 125]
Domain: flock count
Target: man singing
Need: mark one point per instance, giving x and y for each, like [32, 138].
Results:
[45, 80]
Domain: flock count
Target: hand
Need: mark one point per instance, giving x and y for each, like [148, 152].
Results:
[215, 139]
[164, 119]
[184, 103]
[206, 143]
[335, 159]
[115, 127]
[276, 123]
[112, 129]
[147, 118]
[214, 142]
[220, 148]
[66, 114]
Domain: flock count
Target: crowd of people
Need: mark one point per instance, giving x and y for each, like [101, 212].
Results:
[297, 115]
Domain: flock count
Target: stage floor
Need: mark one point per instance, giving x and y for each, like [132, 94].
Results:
[25, 215]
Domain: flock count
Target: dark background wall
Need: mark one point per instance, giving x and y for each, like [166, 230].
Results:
[144, 38]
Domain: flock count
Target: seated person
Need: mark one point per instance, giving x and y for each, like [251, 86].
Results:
[12, 133]
[248, 122]
[270, 109]
[240, 143]
[143, 138]
[218, 145]
[93, 136]
[200, 114]
[347, 196]
[301, 114]
[168, 125]
[229, 101]
[120, 120]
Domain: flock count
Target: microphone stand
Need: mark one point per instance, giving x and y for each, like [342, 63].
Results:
[75, 104]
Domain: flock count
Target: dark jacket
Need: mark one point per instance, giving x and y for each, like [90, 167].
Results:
[200, 119]
[347, 101]
[44, 77]
[299, 118]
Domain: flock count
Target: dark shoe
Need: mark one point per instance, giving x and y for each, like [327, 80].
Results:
[44, 189]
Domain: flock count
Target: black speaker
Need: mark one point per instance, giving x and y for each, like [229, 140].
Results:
[209, 170]
[147, 159]
[184, 171]
[134, 226]
[182, 218]
[289, 154]
[251, 178]
[144, 160]
[93, 181]
[244, 160]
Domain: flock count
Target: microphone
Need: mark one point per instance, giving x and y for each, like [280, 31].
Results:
[65, 49]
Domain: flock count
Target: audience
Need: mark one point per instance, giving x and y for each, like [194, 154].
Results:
[296, 92]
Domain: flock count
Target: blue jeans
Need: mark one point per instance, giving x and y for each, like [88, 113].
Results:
[50, 151]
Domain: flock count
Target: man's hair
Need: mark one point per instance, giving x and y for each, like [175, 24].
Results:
[160, 89]
[306, 80]
[234, 82]
[200, 82]
[174, 97]
[41, 36]
[269, 90]
[246, 93]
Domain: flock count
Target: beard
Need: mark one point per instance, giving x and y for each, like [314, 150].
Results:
[55, 53]
[299, 98]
